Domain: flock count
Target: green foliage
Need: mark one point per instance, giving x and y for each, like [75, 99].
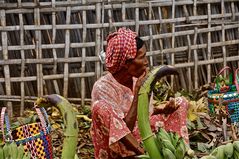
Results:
[12, 151]
[171, 146]
[162, 91]
[230, 150]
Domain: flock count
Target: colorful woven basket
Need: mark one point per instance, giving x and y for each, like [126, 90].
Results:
[225, 95]
[35, 137]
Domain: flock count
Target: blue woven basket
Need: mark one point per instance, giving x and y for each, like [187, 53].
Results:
[225, 97]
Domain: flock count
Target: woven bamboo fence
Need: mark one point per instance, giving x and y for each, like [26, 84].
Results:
[51, 47]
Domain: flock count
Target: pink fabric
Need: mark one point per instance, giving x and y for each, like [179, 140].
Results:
[121, 46]
[110, 103]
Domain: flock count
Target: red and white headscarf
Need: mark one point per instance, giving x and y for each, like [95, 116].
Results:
[121, 46]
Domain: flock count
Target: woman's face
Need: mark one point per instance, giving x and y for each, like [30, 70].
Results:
[138, 66]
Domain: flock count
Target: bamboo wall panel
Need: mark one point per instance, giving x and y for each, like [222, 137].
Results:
[53, 46]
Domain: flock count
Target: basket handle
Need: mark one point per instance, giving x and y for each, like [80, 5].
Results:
[236, 79]
[42, 115]
[220, 72]
[5, 118]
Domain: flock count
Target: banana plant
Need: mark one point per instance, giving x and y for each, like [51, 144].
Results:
[12, 151]
[69, 119]
[148, 137]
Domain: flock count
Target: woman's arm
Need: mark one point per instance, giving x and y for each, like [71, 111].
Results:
[132, 144]
[168, 107]
[131, 116]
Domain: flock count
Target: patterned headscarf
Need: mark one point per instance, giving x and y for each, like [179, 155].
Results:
[121, 46]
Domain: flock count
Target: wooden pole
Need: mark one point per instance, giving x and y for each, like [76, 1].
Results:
[83, 69]
[209, 53]
[67, 50]
[195, 60]
[22, 63]
[5, 57]
[56, 87]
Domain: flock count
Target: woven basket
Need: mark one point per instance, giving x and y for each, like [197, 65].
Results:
[225, 95]
[35, 137]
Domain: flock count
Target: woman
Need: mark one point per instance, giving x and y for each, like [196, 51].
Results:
[114, 100]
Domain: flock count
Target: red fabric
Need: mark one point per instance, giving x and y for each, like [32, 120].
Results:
[121, 46]
[110, 103]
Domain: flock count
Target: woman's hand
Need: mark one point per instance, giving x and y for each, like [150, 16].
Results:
[140, 80]
[166, 108]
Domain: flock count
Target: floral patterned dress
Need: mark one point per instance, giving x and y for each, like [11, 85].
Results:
[110, 104]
